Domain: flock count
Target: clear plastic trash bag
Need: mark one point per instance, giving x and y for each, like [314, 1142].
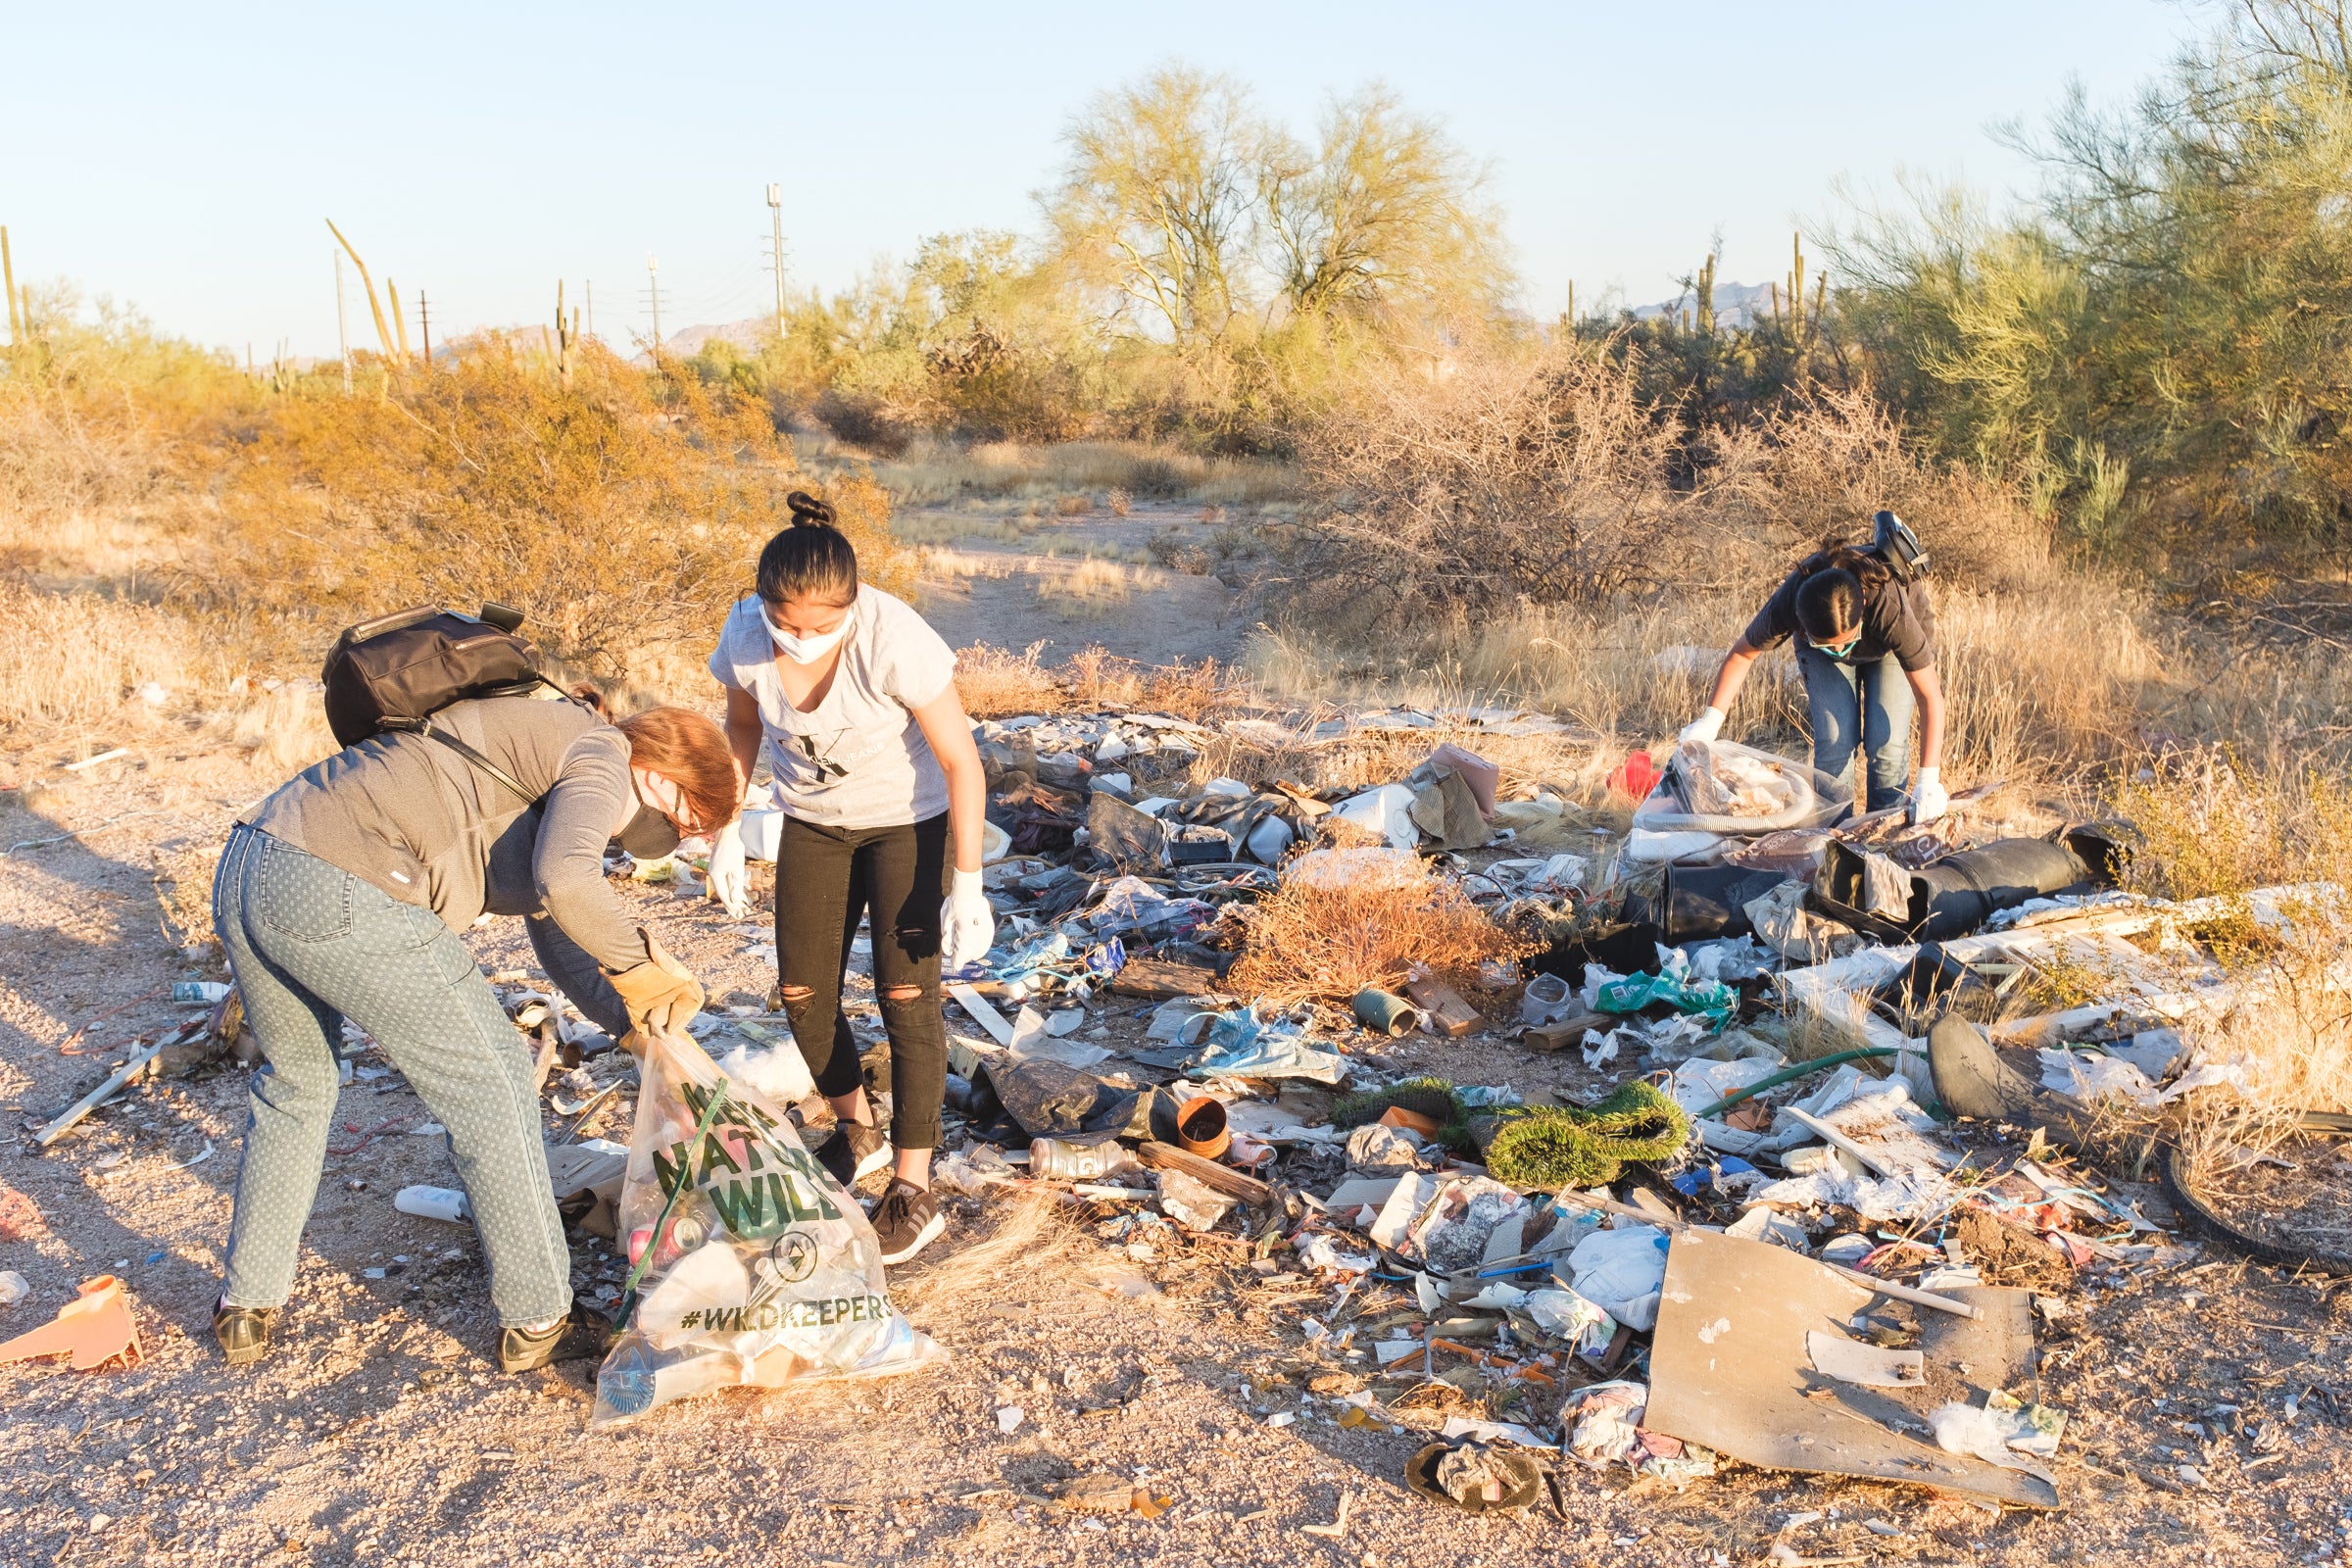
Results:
[749, 1264]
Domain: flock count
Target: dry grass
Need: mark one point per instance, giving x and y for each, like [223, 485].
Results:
[1080, 474]
[73, 660]
[998, 683]
[284, 732]
[1094, 586]
[1029, 1236]
[1316, 944]
[2039, 684]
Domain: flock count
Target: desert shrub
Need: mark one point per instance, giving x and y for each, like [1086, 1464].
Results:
[1505, 483]
[623, 514]
[1306, 943]
[998, 683]
[2208, 823]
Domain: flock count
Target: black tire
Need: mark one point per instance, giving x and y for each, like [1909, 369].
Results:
[2201, 1218]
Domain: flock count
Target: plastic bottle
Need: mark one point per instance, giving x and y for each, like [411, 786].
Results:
[434, 1202]
[1052, 1159]
[205, 991]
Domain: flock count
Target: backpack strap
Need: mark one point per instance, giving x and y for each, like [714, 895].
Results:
[479, 760]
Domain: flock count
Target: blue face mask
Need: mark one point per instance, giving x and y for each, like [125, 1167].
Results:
[1842, 652]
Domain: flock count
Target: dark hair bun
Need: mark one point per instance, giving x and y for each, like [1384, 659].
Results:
[808, 512]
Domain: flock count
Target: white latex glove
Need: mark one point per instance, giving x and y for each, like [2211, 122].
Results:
[1705, 727]
[730, 883]
[1928, 801]
[967, 925]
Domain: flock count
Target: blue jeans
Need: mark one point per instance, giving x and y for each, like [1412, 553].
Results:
[312, 944]
[1860, 707]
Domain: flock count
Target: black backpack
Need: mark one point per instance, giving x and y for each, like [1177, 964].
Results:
[1893, 542]
[394, 672]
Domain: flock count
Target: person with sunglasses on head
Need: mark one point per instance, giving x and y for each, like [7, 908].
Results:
[880, 784]
[1866, 648]
[343, 896]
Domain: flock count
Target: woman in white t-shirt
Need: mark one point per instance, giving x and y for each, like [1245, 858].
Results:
[854, 696]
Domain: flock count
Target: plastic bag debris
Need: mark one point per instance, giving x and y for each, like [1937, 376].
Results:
[1621, 1272]
[1548, 999]
[2095, 1077]
[1243, 1046]
[1387, 810]
[1564, 1314]
[754, 1266]
[779, 1072]
[1320, 1252]
[1742, 780]
[2003, 1430]
[1604, 1423]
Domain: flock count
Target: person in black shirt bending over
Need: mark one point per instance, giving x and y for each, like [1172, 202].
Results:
[1866, 645]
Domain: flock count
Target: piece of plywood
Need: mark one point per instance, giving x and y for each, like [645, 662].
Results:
[1448, 1013]
[1730, 1369]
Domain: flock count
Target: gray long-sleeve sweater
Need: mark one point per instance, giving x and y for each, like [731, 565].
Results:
[412, 817]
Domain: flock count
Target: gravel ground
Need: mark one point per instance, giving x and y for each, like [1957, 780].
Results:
[381, 1432]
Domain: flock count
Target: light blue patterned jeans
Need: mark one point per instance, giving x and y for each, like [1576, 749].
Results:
[312, 944]
[1860, 712]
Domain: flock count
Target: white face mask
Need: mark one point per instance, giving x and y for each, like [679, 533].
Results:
[803, 650]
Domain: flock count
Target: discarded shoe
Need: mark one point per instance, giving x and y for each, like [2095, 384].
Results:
[1971, 1080]
[244, 1330]
[95, 1328]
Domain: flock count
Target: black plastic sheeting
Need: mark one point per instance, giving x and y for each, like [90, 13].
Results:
[1701, 903]
[1961, 892]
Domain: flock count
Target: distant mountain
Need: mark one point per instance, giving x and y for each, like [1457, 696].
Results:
[1735, 305]
[744, 334]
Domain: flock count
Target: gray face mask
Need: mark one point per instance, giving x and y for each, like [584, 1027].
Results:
[649, 835]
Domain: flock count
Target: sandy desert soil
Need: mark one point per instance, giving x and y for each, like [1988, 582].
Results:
[380, 1432]
[1006, 590]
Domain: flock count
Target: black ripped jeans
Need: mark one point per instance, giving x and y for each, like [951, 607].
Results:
[827, 879]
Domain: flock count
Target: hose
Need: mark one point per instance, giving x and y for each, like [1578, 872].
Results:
[1789, 1075]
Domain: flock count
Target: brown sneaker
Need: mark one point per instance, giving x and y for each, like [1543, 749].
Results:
[906, 1220]
[524, 1349]
[856, 1151]
[244, 1330]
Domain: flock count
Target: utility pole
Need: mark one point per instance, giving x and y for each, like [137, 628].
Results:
[424, 322]
[342, 329]
[776, 208]
[8, 277]
[590, 285]
[653, 288]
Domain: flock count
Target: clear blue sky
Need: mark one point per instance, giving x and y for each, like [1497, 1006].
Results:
[181, 158]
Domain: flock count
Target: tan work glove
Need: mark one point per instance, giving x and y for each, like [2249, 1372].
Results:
[661, 996]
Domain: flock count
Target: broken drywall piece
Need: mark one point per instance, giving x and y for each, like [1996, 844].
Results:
[1748, 1388]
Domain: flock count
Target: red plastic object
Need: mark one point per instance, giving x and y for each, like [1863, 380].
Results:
[1635, 777]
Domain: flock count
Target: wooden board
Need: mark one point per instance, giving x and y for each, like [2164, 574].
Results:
[1448, 1013]
[1157, 980]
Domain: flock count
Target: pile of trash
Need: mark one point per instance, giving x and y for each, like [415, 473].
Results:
[1755, 1235]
